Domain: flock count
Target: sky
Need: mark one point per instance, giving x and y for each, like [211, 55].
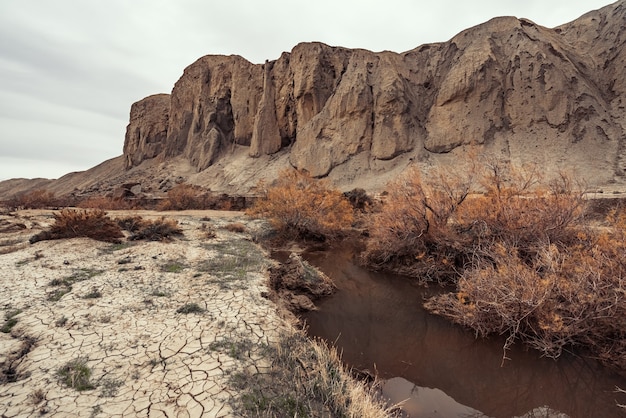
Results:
[71, 69]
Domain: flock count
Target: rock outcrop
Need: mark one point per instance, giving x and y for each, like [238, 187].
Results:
[508, 86]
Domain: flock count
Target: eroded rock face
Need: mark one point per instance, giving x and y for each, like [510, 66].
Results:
[520, 90]
[146, 134]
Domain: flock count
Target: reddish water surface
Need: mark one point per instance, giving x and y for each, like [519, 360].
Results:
[441, 369]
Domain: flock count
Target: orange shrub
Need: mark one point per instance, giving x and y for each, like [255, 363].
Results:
[106, 203]
[186, 197]
[301, 206]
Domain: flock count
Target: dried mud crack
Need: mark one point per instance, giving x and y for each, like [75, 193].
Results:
[137, 328]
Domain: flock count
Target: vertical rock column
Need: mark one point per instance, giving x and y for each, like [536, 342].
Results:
[266, 135]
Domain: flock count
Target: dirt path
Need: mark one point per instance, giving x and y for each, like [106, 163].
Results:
[159, 327]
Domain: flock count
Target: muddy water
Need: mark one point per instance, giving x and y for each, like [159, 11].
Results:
[441, 370]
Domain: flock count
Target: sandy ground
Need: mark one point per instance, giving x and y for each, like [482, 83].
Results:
[123, 319]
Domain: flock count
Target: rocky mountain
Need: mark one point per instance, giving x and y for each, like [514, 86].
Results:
[508, 87]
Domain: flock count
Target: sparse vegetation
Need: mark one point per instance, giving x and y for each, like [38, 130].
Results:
[173, 266]
[300, 206]
[158, 230]
[10, 320]
[235, 227]
[76, 374]
[71, 223]
[35, 199]
[106, 203]
[189, 308]
[306, 379]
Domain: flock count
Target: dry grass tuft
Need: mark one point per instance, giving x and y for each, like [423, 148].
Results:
[158, 230]
[69, 223]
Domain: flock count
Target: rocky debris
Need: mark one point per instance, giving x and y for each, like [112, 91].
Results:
[297, 284]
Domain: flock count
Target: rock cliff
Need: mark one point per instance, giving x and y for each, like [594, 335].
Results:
[508, 87]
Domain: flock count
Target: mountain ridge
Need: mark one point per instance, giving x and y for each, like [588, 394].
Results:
[507, 87]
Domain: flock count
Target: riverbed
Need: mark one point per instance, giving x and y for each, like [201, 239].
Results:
[441, 370]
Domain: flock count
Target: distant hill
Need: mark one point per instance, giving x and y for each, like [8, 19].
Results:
[508, 87]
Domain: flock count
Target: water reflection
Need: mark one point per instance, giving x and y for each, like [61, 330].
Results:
[378, 322]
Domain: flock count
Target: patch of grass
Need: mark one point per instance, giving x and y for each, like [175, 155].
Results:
[10, 320]
[93, 294]
[237, 348]
[109, 387]
[306, 379]
[76, 374]
[117, 247]
[37, 396]
[189, 308]
[57, 294]
[173, 267]
[65, 284]
[160, 293]
[233, 259]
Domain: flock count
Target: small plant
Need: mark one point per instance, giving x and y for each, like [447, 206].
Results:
[235, 227]
[173, 267]
[159, 293]
[93, 294]
[158, 230]
[189, 308]
[61, 322]
[76, 374]
[10, 320]
[69, 223]
[37, 396]
[109, 387]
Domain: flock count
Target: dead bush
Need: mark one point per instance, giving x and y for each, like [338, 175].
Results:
[564, 298]
[300, 206]
[69, 223]
[158, 230]
[131, 223]
[106, 203]
[186, 197]
[35, 199]
[235, 227]
[411, 233]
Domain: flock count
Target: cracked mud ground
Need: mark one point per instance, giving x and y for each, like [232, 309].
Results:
[160, 327]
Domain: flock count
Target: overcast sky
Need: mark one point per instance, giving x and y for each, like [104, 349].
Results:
[70, 69]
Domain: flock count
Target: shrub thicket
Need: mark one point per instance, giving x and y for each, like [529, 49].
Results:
[185, 196]
[35, 199]
[69, 223]
[300, 206]
[524, 263]
[106, 203]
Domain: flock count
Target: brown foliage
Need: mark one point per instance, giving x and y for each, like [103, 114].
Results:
[235, 227]
[158, 230]
[186, 197]
[411, 233]
[35, 199]
[303, 207]
[106, 203]
[70, 223]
